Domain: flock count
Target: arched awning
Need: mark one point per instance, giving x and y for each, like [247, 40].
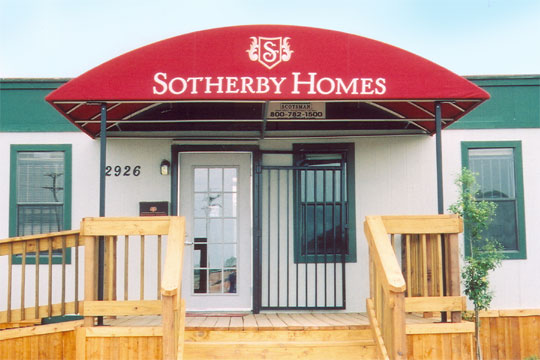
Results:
[266, 80]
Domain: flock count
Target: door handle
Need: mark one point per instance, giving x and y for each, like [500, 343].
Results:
[188, 243]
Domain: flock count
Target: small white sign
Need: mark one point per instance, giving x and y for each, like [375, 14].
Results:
[295, 110]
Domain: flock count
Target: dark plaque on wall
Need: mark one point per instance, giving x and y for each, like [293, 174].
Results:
[154, 208]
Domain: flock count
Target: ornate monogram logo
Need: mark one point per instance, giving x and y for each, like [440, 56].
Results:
[269, 51]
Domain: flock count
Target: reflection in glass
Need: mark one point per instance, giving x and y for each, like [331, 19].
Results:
[200, 206]
[215, 205]
[200, 179]
[216, 281]
[215, 256]
[215, 230]
[229, 284]
[214, 253]
[229, 256]
[229, 205]
[196, 258]
[216, 179]
[229, 231]
[199, 228]
[229, 179]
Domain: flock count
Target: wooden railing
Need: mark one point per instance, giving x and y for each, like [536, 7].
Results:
[168, 302]
[426, 281]
[124, 234]
[26, 276]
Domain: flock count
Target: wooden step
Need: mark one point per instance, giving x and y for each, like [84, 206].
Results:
[281, 344]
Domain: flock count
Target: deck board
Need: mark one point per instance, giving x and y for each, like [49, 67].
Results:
[266, 321]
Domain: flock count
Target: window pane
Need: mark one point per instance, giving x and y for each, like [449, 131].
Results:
[40, 177]
[320, 211]
[325, 223]
[495, 168]
[39, 219]
[496, 172]
[504, 225]
[40, 192]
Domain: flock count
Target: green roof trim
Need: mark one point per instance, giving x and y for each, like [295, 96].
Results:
[23, 107]
[514, 103]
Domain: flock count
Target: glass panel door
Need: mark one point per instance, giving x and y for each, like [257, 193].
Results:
[215, 198]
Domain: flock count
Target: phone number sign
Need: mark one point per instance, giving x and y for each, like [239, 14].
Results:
[295, 110]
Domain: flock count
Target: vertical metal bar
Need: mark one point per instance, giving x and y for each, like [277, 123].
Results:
[159, 267]
[102, 165]
[76, 274]
[344, 229]
[278, 231]
[438, 146]
[288, 234]
[268, 237]
[305, 203]
[257, 232]
[325, 251]
[9, 279]
[440, 199]
[36, 301]
[63, 299]
[315, 240]
[334, 252]
[298, 196]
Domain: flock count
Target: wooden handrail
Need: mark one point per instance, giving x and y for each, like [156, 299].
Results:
[16, 243]
[423, 224]
[386, 305]
[383, 255]
[425, 241]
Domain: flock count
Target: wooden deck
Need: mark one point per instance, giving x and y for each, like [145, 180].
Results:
[250, 322]
[237, 336]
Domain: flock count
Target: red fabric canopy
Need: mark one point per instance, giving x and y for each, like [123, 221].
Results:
[235, 71]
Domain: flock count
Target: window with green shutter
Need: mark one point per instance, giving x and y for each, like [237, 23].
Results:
[40, 192]
[498, 166]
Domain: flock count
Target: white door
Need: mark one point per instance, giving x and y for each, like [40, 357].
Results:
[215, 197]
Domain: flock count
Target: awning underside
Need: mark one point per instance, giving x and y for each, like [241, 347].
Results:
[210, 119]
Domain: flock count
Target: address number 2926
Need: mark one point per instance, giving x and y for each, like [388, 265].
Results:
[125, 170]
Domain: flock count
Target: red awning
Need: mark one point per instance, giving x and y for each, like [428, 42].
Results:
[234, 81]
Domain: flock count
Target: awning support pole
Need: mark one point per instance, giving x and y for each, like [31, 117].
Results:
[438, 145]
[440, 200]
[102, 165]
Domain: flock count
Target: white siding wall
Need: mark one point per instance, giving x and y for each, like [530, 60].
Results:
[85, 190]
[516, 284]
[394, 175]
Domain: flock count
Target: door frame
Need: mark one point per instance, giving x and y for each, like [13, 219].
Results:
[255, 156]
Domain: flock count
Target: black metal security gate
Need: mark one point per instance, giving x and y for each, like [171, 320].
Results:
[301, 237]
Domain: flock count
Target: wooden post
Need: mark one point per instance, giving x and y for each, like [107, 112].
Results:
[169, 342]
[453, 282]
[181, 323]
[399, 339]
[89, 274]
[80, 343]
